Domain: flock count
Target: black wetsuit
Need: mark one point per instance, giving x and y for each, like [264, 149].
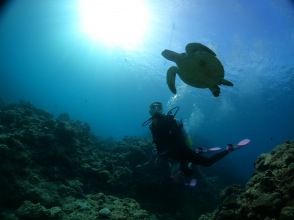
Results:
[170, 140]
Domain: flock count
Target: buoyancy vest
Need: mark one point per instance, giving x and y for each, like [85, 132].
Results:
[167, 133]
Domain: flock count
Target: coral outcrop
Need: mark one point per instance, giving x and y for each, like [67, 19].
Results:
[54, 168]
[94, 206]
[268, 195]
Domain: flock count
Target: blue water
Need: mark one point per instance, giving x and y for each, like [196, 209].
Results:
[46, 60]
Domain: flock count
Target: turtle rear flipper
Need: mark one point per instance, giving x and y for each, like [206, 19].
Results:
[194, 47]
[226, 82]
[215, 91]
[171, 79]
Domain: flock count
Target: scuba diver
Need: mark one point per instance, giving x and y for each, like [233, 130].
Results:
[172, 142]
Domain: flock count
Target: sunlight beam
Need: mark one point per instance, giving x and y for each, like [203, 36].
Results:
[115, 23]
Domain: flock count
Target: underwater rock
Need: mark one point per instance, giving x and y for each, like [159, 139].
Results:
[287, 213]
[269, 194]
[229, 197]
[104, 213]
[32, 211]
[101, 206]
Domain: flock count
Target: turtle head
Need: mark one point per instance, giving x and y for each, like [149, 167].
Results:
[170, 55]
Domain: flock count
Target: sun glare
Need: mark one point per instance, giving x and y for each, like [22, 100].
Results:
[115, 22]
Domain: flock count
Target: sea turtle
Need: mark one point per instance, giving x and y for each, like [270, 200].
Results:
[198, 67]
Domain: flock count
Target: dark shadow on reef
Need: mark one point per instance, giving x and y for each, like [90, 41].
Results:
[55, 168]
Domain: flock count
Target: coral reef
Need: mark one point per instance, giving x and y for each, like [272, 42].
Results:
[269, 194]
[94, 206]
[54, 168]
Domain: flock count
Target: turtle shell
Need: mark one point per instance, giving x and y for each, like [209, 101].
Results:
[200, 69]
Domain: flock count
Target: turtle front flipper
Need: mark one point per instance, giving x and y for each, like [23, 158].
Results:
[215, 91]
[171, 79]
[194, 47]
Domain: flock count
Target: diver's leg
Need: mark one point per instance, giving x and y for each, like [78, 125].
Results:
[199, 159]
